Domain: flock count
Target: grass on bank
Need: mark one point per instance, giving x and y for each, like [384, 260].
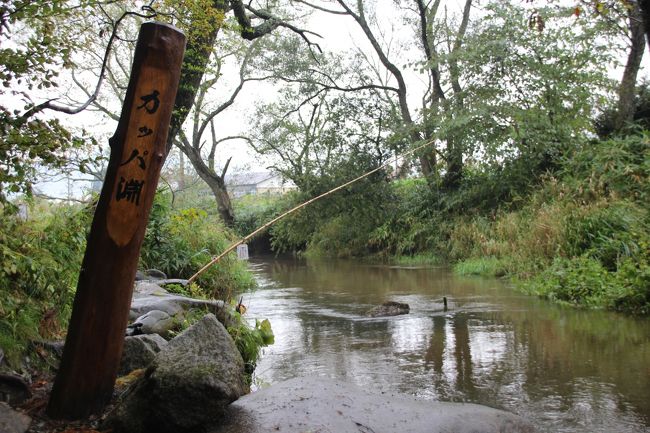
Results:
[481, 266]
[420, 259]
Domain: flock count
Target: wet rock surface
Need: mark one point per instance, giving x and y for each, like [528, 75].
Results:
[155, 274]
[12, 421]
[153, 322]
[13, 389]
[188, 385]
[389, 308]
[139, 351]
[150, 296]
[312, 404]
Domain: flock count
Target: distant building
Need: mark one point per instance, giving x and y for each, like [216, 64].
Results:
[253, 183]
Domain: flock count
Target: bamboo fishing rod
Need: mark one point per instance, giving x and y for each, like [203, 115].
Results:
[296, 208]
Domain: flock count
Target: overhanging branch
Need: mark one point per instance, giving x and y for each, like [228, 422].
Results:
[50, 105]
[270, 23]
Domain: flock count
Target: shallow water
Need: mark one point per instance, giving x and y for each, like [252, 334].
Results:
[566, 370]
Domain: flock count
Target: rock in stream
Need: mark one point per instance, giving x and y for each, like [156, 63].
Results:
[389, 308]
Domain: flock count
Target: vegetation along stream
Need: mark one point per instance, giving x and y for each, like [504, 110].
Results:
[567, 370]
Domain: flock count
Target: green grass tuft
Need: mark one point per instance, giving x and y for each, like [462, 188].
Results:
[422, 259]
[484, 266]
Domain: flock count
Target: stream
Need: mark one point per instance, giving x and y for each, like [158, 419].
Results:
[564, 369]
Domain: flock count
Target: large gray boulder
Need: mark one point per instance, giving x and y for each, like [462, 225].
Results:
[139, 352]
[188, 385]
[312, 404]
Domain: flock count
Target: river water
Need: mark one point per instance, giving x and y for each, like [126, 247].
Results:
[564, 369]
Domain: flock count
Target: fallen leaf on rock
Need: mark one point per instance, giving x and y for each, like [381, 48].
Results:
[127, 380]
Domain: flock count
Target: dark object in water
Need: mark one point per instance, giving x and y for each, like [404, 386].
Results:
[389, 308]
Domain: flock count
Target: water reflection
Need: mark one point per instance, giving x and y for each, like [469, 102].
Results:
[567, 370]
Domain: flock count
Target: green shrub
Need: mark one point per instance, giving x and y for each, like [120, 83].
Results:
[20, 319]
[250, 340]
[253, 211]
[618, 168]
[411, 224]
[180, 242]
[338, 225]
[585, 281]
[342, 236]
[577, 281]
[632, 291]
[606, 231]
[40, 261]
[191, 290]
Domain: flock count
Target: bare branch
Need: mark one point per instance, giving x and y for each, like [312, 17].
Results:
[321, 8]
[49, 197]
[242, 71]
[233, 137]
[225, 169]
[270, 23]
[49, 105]
[99, 106]
[397, 74]
[453, 64]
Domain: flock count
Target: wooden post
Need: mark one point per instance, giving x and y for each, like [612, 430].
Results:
[93, 348]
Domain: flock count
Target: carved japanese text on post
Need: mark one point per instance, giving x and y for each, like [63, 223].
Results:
[142, 142]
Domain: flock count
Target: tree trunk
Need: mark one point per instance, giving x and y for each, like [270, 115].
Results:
[93, 347]
[626, 90]
[214, 181]
[181, 170]
[194, 65]
[224, 205]
[454, 173]
[644, 7]
[427, 158]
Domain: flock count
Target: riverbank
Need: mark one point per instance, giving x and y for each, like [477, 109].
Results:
[578, 235]
[593, 253]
